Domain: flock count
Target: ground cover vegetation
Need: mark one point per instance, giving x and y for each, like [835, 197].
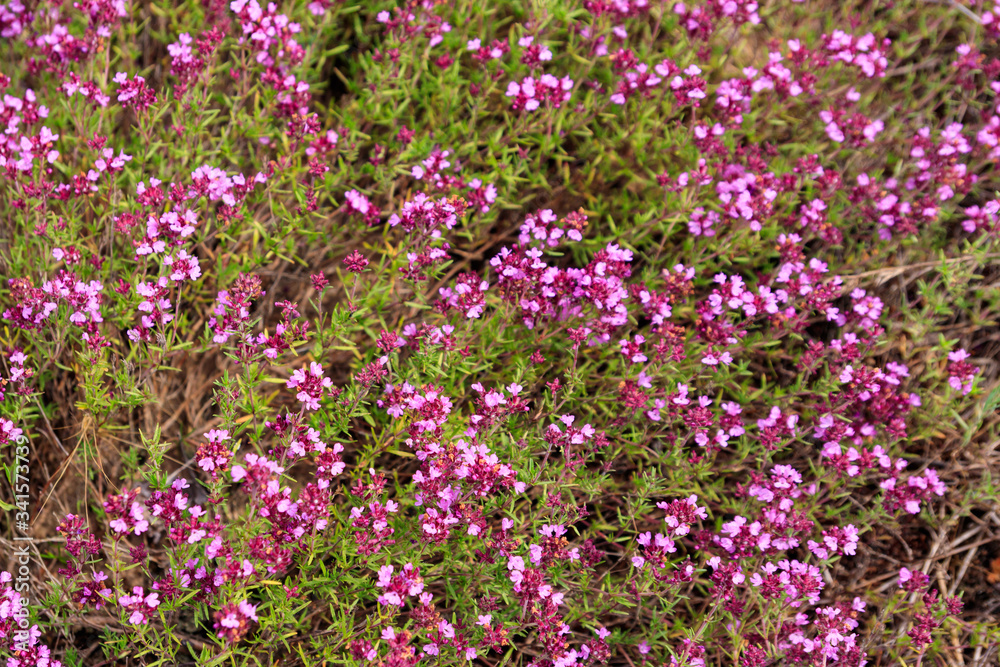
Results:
[549, 333]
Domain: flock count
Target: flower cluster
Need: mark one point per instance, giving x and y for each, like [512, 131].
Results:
[310, 385]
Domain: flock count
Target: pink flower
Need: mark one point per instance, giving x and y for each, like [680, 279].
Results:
[310, 384]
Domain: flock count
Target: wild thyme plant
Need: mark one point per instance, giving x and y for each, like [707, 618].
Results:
[551, 333]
